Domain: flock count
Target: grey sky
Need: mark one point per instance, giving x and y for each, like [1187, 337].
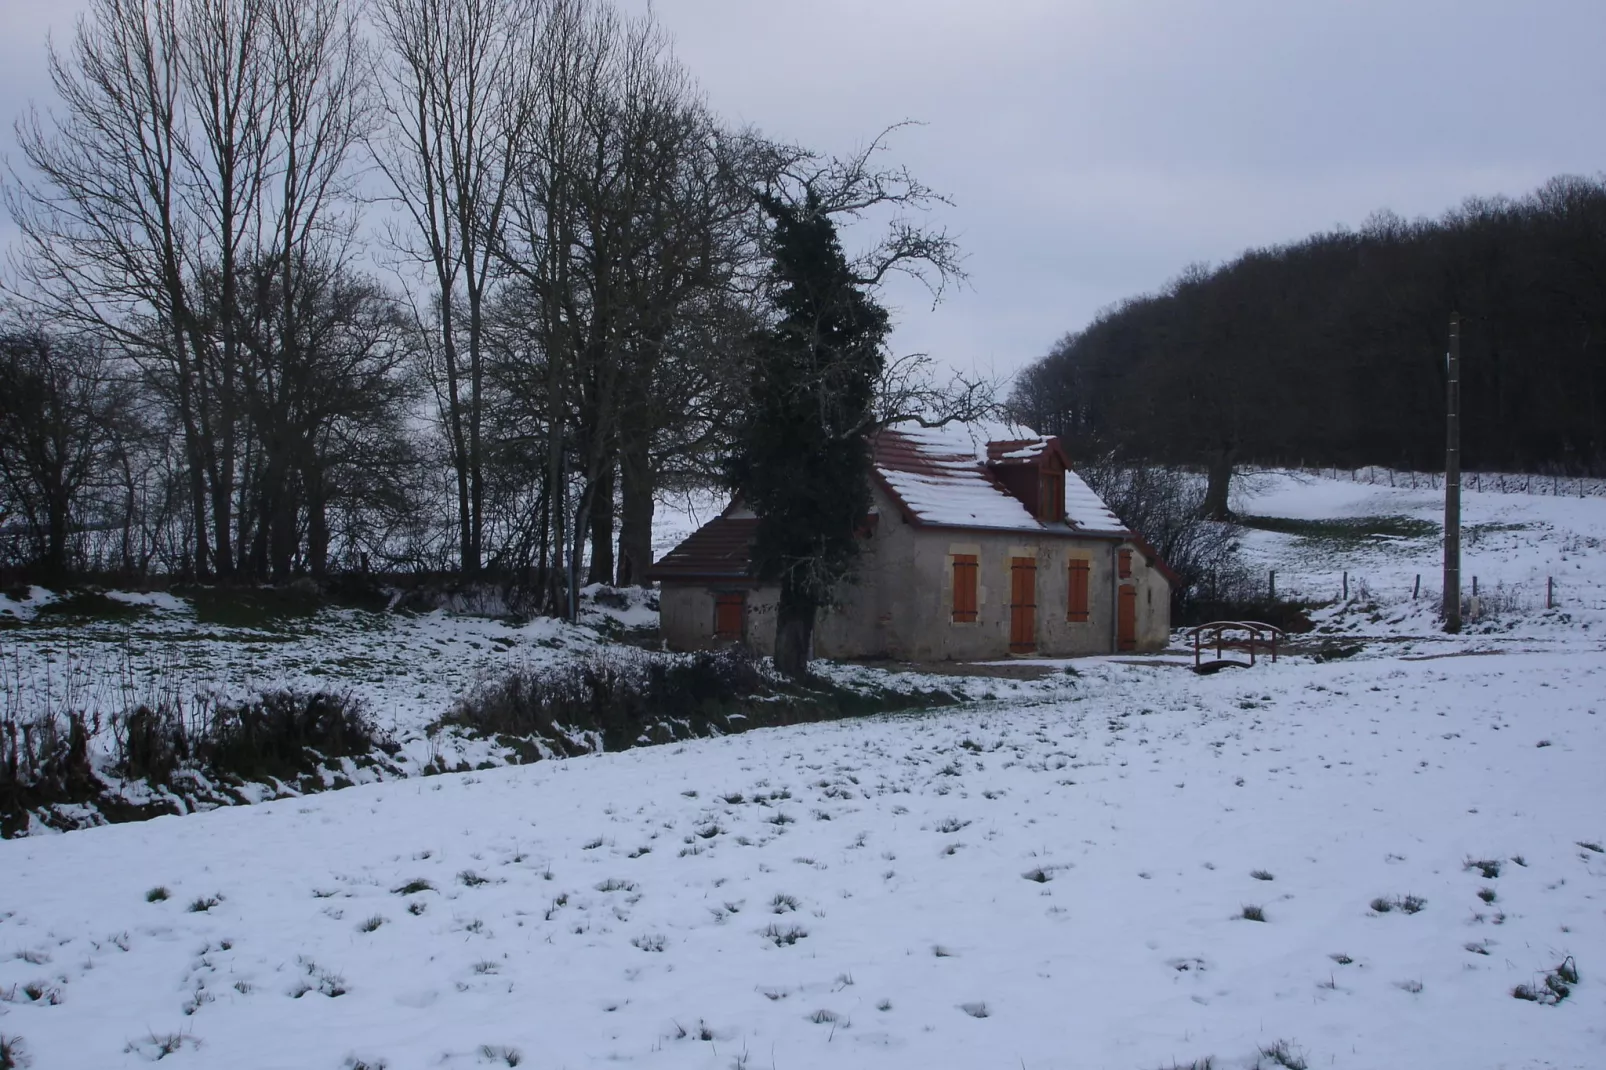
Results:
[1094, 149]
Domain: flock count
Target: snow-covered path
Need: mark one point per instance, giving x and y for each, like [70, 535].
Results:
[1044, 886]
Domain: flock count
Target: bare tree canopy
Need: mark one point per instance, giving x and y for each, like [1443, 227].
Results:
[435, 285]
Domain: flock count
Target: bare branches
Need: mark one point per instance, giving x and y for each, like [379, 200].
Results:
[860, 187]
[911, 392]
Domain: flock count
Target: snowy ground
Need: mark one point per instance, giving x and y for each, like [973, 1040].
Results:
[1058, 885]
[1512, 543]
[1057, 878]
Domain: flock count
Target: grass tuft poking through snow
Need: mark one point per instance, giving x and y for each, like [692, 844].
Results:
[1285, 1054]
[1254, 913]
[501, 1053]
[13, 1053]
[784, 935]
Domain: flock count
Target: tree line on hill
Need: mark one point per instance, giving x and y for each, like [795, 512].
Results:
[442, 286]
[1331, 350]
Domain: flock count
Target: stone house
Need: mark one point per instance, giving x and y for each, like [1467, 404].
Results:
[981, 543]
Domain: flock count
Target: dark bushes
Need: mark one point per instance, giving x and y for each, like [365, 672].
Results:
[201, 752]
[621, 701]
[619, 697]
[277, 734]
[42, 759]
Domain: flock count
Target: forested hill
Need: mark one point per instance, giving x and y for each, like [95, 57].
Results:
[1331, 350]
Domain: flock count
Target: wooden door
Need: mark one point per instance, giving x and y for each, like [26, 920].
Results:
[730, 609]
[1022, 605]
[1126, 618]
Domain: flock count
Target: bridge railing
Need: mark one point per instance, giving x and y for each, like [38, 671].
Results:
[1249, 636]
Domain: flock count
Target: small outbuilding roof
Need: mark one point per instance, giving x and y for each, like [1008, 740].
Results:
[719, 550]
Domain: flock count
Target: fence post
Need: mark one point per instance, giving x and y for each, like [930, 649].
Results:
[1346, 586]
[1550, 592]
[1474, 587]
[1416, 588]
[1272, 584]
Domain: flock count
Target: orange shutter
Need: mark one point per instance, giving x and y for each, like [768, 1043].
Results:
[964, 587]
[1126, 618]
[1023, 605]
[1076, 598]
[1126, 564]
[728, 613]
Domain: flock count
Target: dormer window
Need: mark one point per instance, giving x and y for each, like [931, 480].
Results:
[1050, 495]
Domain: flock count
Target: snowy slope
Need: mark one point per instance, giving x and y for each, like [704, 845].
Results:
[1511, 543]
[868, 893]
[1508, 539]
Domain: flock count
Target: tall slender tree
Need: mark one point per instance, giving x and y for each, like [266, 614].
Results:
[458, 76]
[802, 459]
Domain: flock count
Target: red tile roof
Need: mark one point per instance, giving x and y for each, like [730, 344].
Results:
[719, 550]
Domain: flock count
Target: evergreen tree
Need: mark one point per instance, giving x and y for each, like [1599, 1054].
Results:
[802, 456]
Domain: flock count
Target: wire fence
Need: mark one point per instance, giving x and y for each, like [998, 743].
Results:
[1557, 486]
[1480, 598]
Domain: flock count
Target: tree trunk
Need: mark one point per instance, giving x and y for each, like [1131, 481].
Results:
[192, 453]
[794, 633]
[317, 523]
[1219, 482]
[635, 514]
[600, 568]
[475, 556]
[282, 523]
[56, 536]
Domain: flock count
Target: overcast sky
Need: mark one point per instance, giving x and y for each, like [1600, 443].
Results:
[1093, 149]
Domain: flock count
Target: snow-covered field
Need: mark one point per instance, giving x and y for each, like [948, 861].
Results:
[1512, 544]
[1058, 879]
[1058, 885]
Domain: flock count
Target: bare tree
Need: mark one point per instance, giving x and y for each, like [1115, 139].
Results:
[198, 137]
[65, 416]
[229, 91]
[106, 219]
[320, 115]
[457, 77]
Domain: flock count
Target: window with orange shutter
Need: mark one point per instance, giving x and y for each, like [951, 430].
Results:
[729, 609]
[964, 588]
[1076, 596]
[1125, 564]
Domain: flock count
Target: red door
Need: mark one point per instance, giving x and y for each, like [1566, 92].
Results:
[1126, 618]
[1022, 605]
[729, 610]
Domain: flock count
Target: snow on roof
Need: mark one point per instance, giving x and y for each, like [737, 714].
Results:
[1086, 509]
[941, 475]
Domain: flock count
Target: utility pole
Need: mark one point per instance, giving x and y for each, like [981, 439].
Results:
[1452, 480]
